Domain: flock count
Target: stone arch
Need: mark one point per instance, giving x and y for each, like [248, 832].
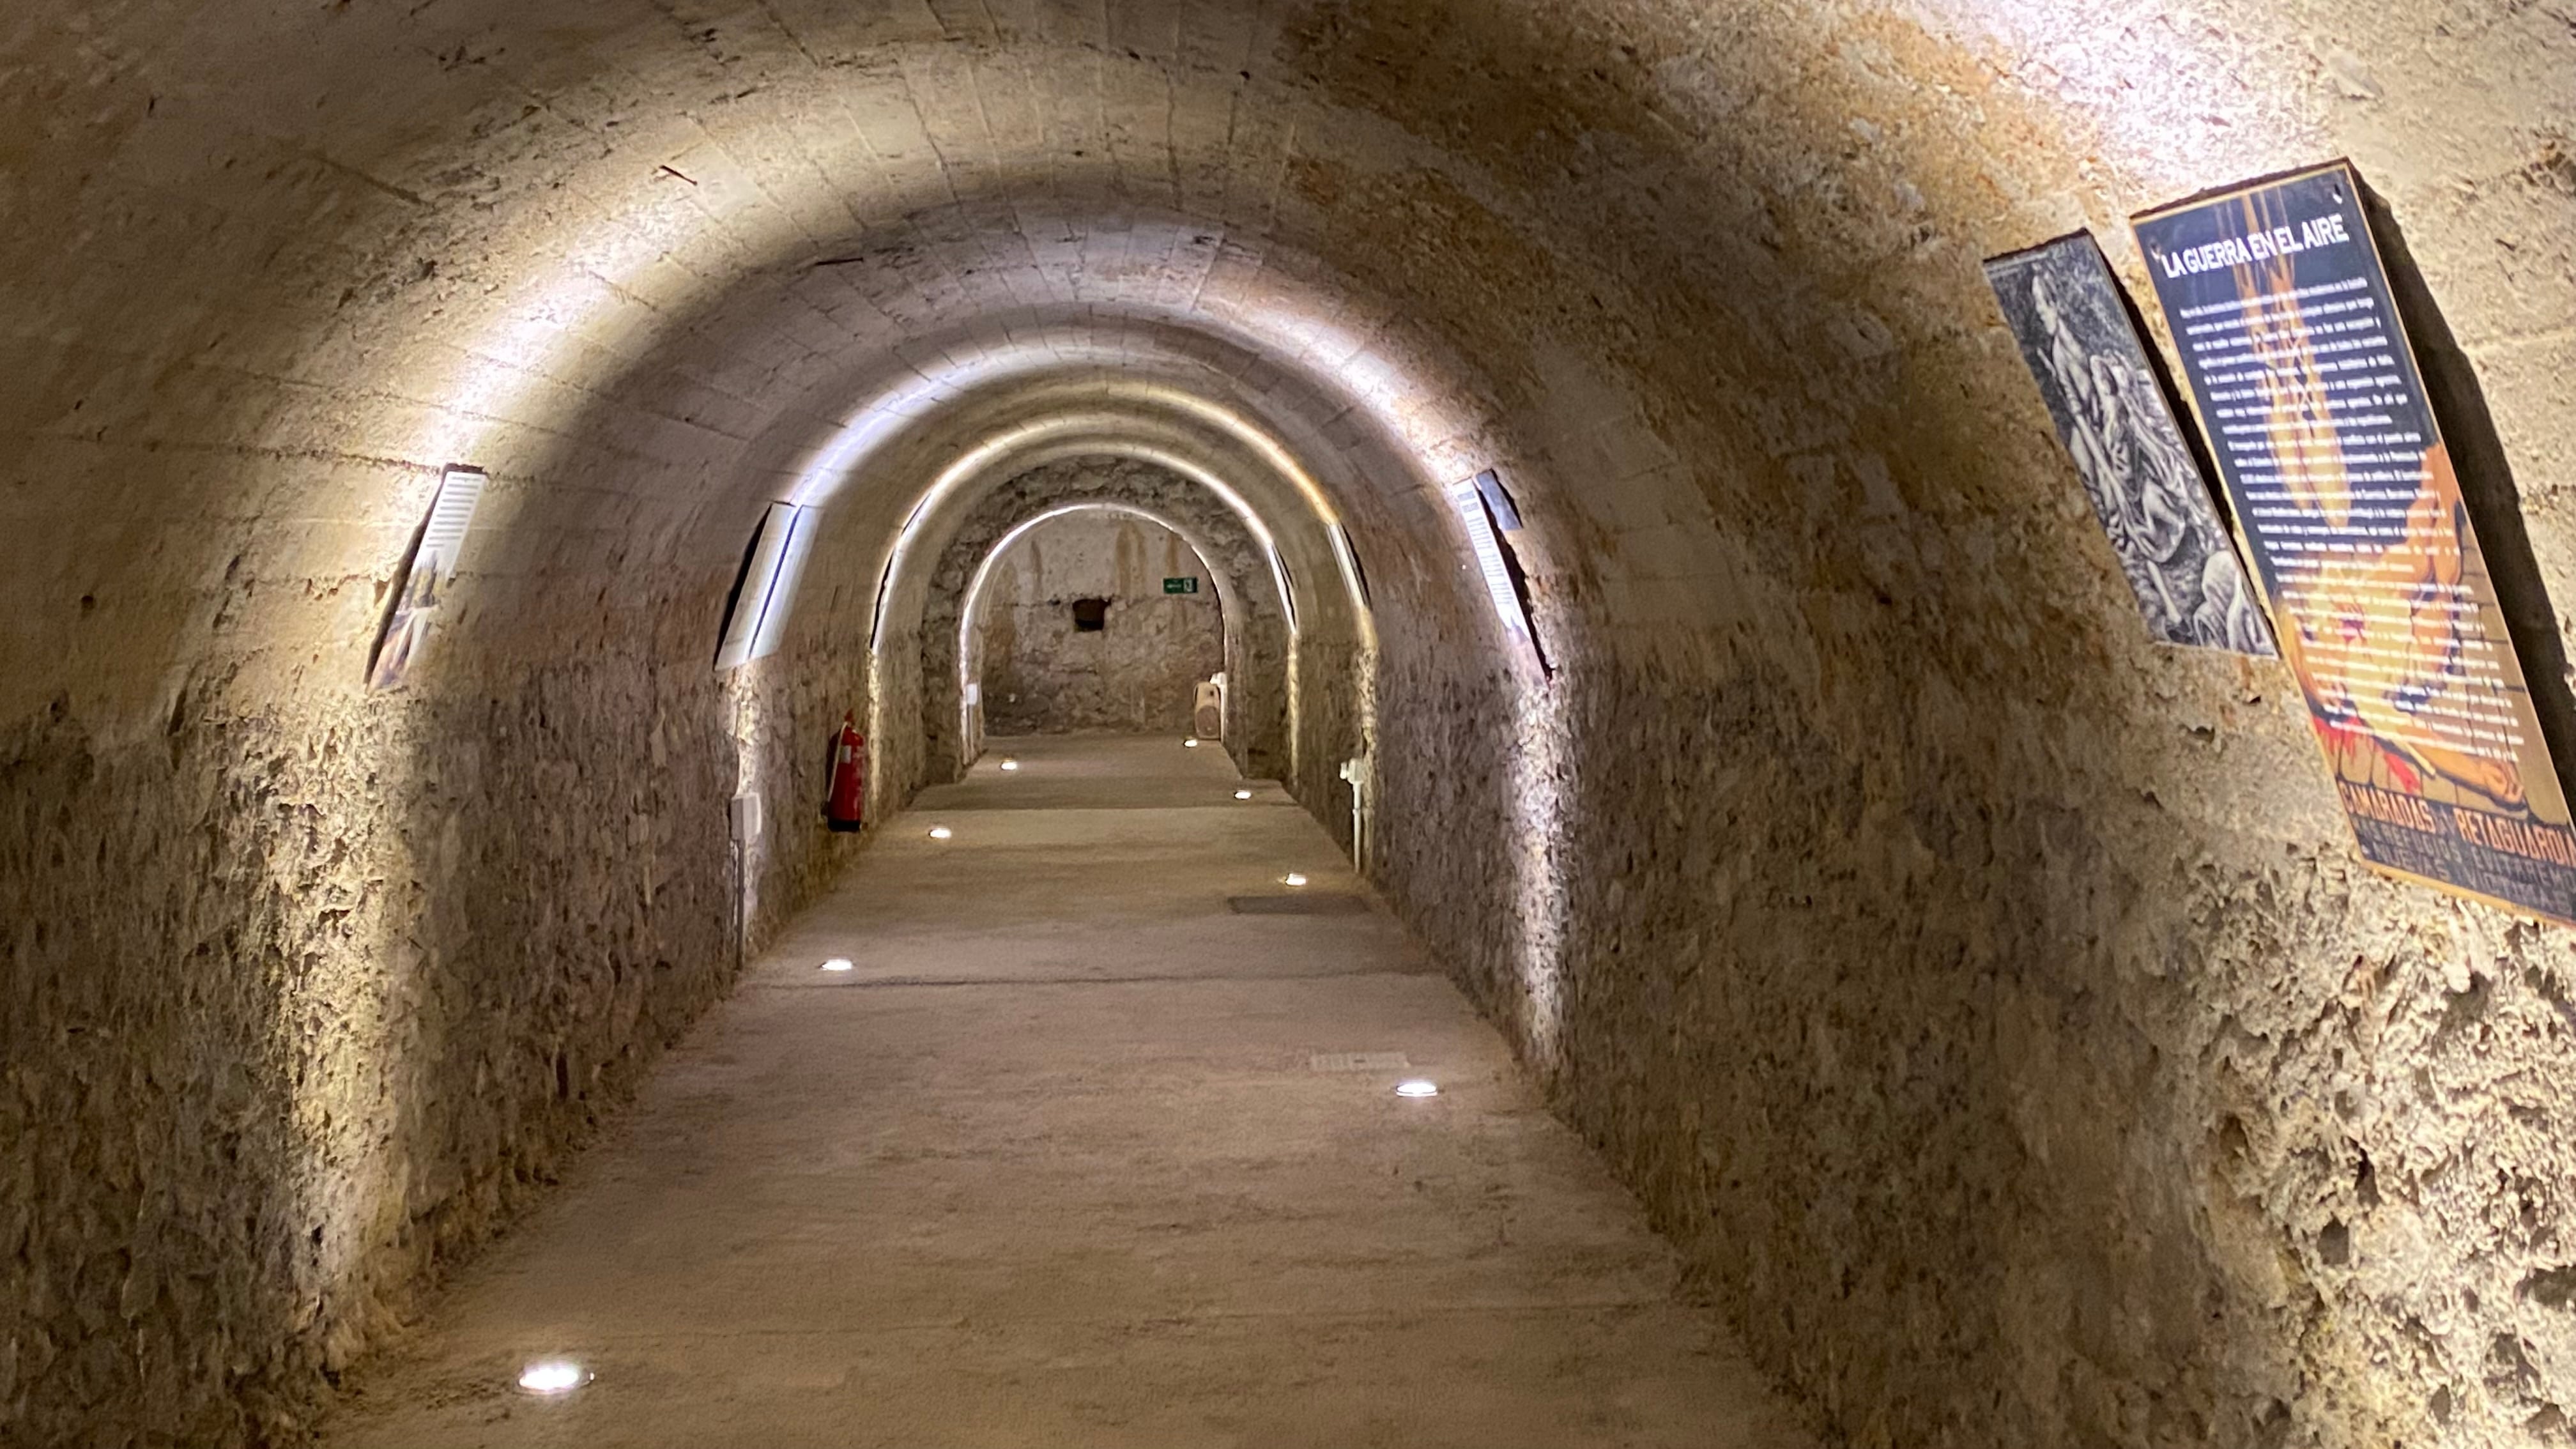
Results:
[1256, 621]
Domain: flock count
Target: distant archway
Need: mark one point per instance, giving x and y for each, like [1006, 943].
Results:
[1257, 634]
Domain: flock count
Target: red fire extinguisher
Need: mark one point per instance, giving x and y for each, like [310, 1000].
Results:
[848, 808]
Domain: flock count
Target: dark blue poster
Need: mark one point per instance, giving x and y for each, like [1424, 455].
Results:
[2303, 377]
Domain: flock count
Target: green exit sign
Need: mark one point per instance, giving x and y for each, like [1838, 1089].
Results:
[1180, 586]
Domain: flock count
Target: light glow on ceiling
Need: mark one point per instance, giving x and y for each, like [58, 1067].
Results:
[918, 398]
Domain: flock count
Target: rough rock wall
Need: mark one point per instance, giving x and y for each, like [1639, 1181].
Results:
[1334, 684]
[300, 1006]
[1990, 1001]
[786, 713]
[1044, 674]
[783, 714]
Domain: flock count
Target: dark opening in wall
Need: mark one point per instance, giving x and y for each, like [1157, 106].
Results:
[1090, 616]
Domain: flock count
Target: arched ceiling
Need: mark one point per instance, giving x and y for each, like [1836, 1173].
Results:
[654, 263]
[970, 611]
[996, 435]
[652, 267]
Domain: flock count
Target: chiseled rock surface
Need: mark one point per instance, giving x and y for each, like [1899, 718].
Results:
[296, 1014]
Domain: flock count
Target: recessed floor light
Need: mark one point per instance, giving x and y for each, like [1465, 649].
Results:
[839, 963]
[553, 1376]
[1189, 744]
[1010, 764]
[941, 832]
[1292, 878]
[1243, 794]
[1417, 1087]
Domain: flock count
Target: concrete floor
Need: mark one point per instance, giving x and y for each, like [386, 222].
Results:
[1056, 1165]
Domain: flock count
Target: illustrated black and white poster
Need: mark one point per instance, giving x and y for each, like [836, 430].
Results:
[2303, 374]
[2109, 404]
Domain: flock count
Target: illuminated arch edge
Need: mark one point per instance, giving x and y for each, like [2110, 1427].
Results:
[916, 403]
[1101, 435]
[970, 607]
[1031, 445]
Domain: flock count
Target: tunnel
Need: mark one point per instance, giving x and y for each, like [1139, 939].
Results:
[565, 877]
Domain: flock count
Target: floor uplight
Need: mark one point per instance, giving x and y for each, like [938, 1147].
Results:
[1010, 764]
[1189, 744]
[941, 832]
[1292, 878]
[839, 963]
[553, 1376]
[1243, 794]
[1417, 1088]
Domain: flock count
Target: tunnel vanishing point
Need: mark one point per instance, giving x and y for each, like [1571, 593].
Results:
[465, 459]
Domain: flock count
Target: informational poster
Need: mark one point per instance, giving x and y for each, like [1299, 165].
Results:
[2301, 369]
[2108, 401]
[426, 579]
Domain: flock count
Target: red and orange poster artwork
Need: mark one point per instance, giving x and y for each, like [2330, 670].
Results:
[2300, 368]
